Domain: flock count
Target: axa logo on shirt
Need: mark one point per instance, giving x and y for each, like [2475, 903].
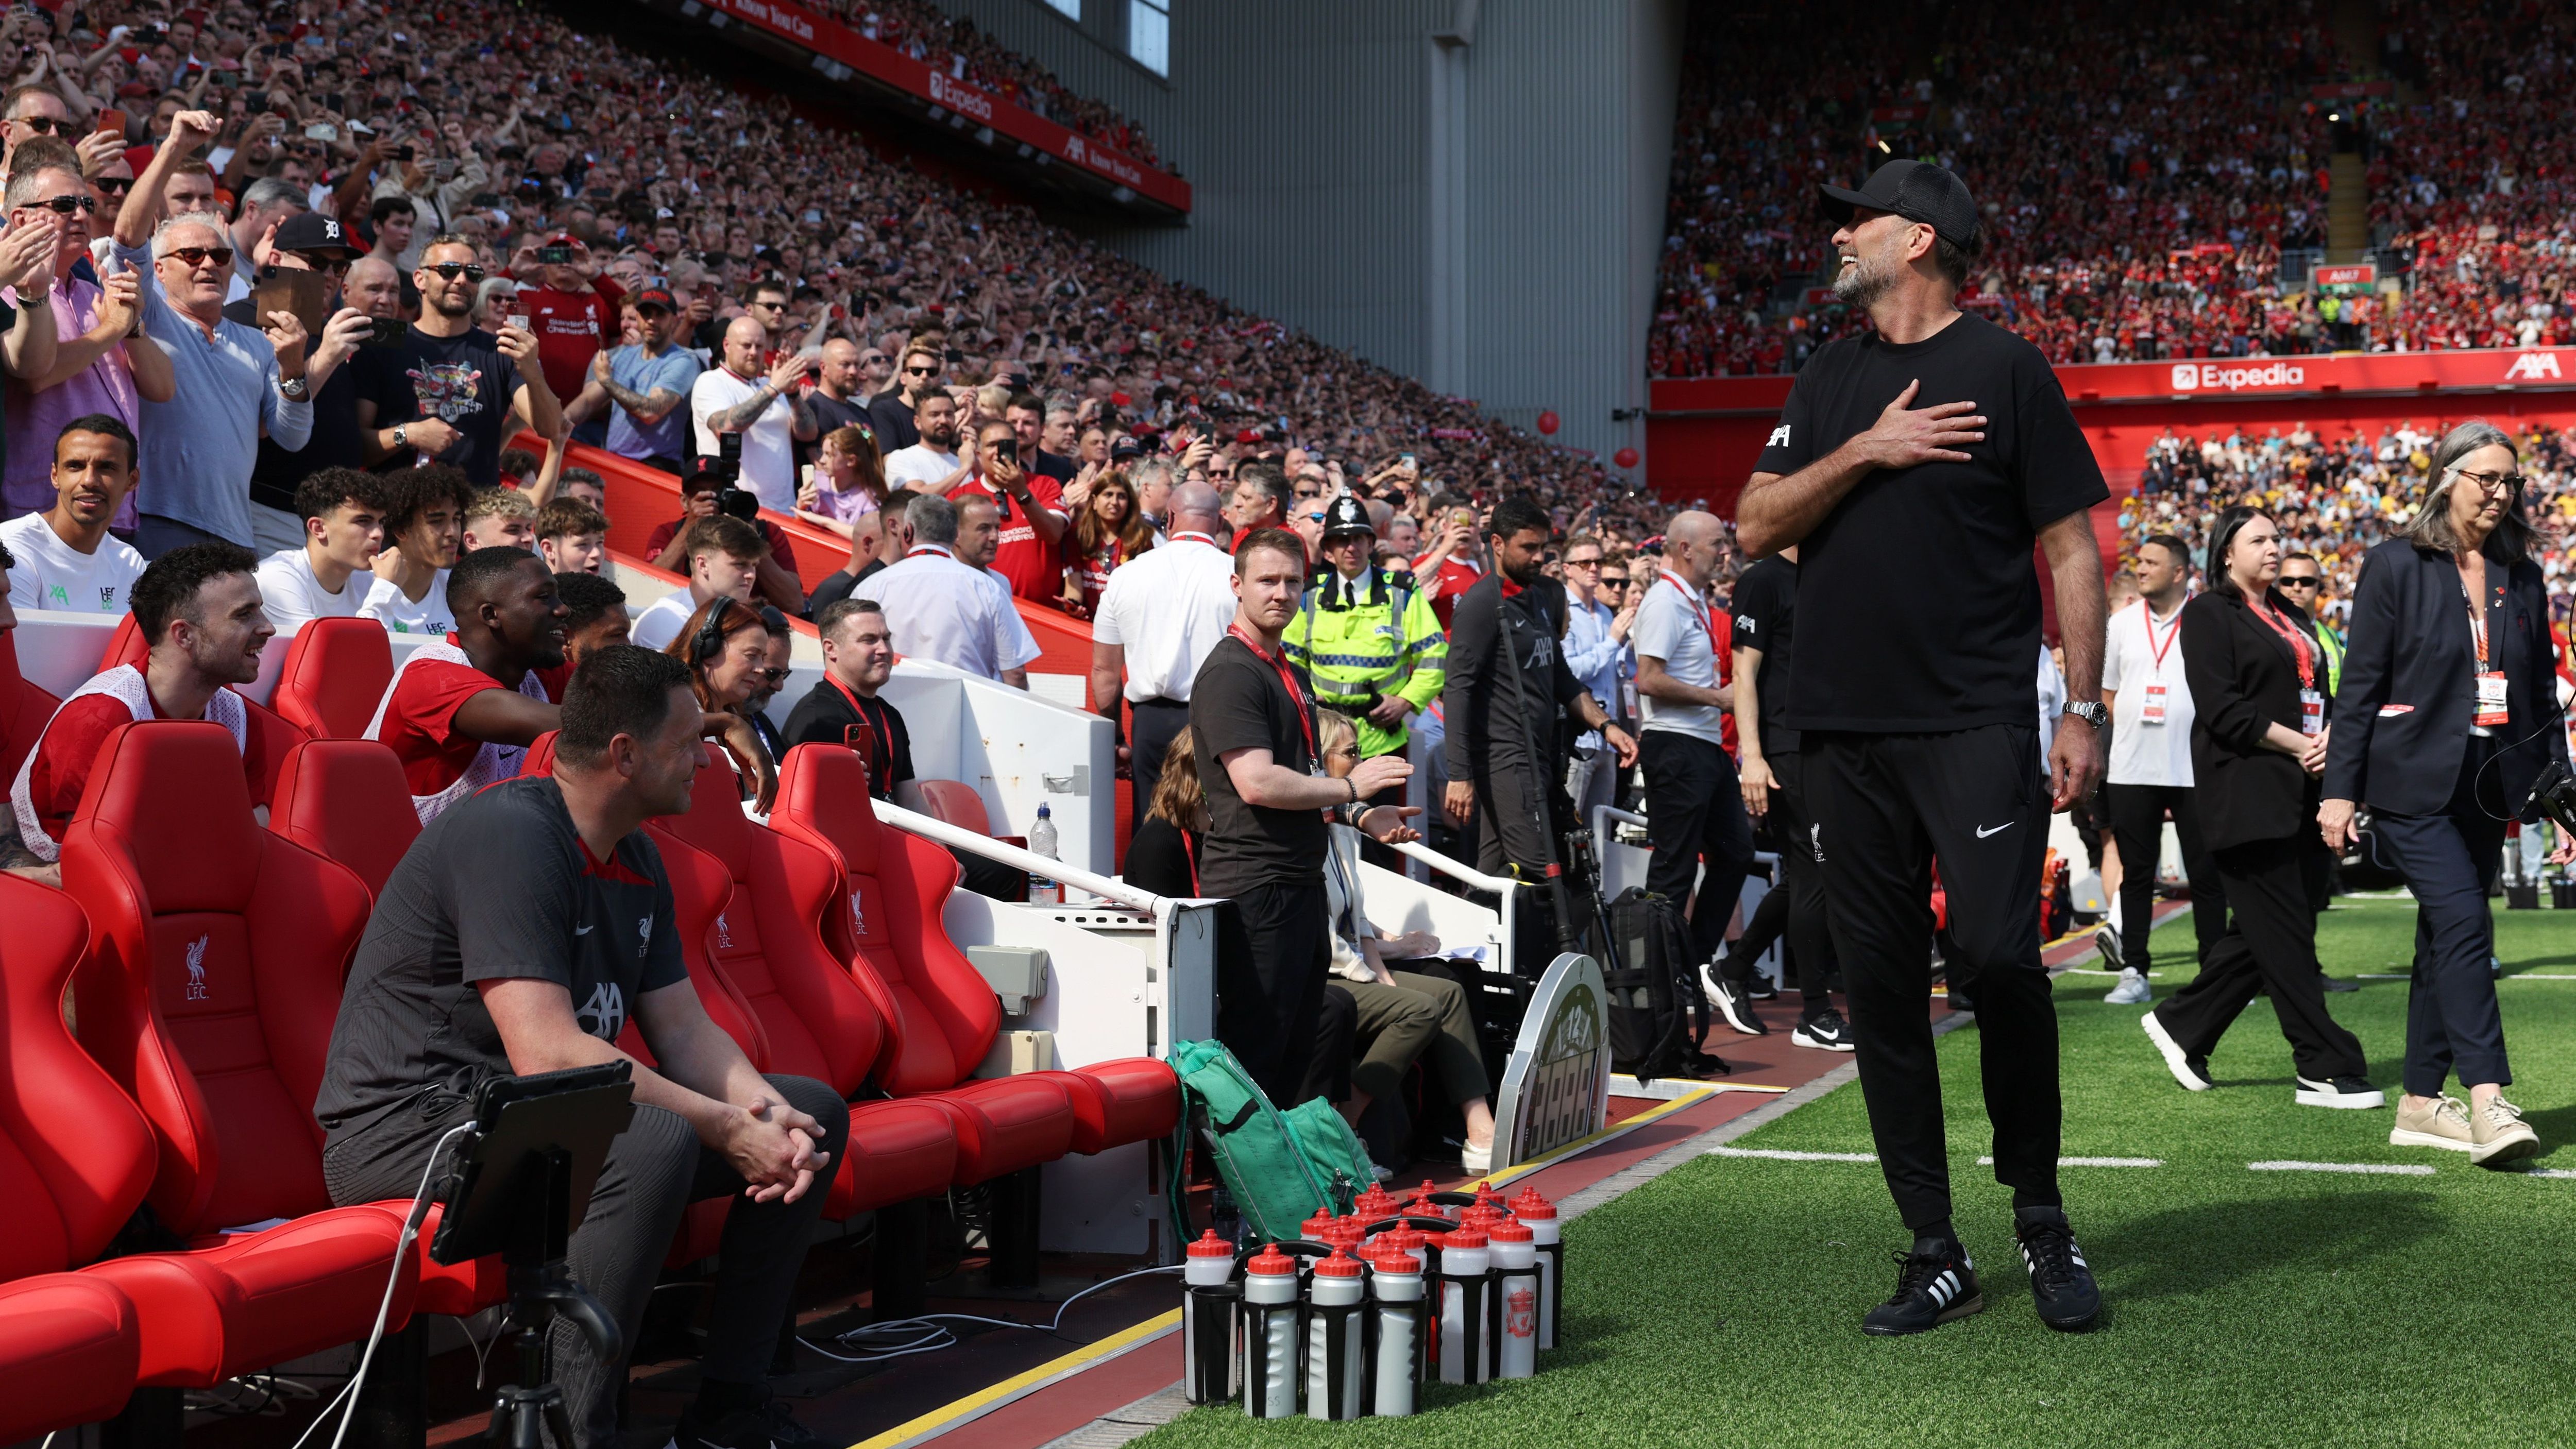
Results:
[604, 1014]
[2534, 366]
[1779, 437]
[2196, 376]
[197, 968]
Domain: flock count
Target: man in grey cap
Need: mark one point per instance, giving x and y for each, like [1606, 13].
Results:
[1938, 448]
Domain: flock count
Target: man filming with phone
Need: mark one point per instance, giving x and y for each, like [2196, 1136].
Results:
[1032, 508]
[308, 267]
[447, 390]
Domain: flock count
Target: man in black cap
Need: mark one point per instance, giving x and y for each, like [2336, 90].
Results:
[308, 242]
[1937, 448]
[645, 385]
[1367, 639]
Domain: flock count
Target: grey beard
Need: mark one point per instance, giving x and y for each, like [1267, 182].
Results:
[1863, 284]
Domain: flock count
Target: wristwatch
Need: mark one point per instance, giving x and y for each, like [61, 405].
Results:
[2092, 712]
[292, 389]
[400, 430]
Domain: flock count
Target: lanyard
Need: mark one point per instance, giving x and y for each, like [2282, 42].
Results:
[1699, 610]
[2155, 650]
[2477, 615]
[919, 549]
[1288, 680]
[1194, 538]
[2300, 644]
[1190, 853]
[881, 756]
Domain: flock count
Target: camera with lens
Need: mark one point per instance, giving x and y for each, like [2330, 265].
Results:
[725, 471]
[2554, 795]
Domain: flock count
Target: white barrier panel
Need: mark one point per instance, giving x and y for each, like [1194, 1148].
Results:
[1018, 751]
[58, 652]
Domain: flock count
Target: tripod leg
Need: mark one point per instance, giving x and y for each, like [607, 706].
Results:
[559, 1419]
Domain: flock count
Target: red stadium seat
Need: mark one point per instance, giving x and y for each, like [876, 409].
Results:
[125, 646]
[957, 803]
[944, 1013]
[68, 1344]
[216, 956]
[24, 709]
[817, 1022]
[336, 673]
[345, 799]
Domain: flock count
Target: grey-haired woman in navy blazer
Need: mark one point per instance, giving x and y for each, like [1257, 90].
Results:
[2447, 715]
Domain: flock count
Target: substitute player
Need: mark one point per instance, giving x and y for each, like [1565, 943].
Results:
[1935, 449]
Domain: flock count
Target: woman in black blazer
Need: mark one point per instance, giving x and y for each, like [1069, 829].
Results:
[2258, 741]
[2447, 716]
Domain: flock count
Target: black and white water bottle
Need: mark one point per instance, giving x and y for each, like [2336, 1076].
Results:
[1211, 1310]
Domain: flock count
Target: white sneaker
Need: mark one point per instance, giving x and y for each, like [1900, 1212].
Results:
[2191, 1071]
[2132, 990]
[2106, 944]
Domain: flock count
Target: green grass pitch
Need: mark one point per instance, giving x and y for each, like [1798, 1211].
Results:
[1720, 1304]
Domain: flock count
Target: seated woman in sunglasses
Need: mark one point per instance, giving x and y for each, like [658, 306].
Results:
[726, 645]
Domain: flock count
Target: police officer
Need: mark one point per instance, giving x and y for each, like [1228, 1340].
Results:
[1366, 637]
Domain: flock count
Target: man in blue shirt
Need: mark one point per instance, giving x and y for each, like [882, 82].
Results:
[1596, 654]
[235, 383]
[645, 385]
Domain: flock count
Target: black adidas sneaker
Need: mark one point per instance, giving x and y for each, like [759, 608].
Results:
[1934, 1284]
[2061, 1285]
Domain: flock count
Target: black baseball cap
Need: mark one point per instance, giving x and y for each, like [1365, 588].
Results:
[1915, 190]
[311, 231]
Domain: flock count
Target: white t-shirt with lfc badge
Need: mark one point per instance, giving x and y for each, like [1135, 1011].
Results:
[51, 574]
[427, 614]
[2151, 706]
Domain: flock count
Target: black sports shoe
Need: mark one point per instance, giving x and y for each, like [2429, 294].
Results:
[1733, 1001]
[768, 1426]
[1933, 1286]
[1825, 1031]
[2061, 1286]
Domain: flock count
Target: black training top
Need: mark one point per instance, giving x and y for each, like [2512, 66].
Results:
[1766, 606]
[1918, 604]
[1237, 702]
[825, 716]
[499, 887]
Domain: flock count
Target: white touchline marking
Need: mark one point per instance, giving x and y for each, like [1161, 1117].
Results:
[1787, 1156]
[2549, 1172]
[2383, 976]
[2089, 971]
[2535, 976]
[2094, 1162]
[2396, 1169]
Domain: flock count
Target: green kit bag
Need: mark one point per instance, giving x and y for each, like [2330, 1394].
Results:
[1262, 1162]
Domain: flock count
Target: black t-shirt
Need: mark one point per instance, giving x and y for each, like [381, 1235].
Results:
[1238, 703]
[499, 887]
[1057, 466]
[465, 381]
[830, 416]
[336, 440]
[840, 584]
[892, 418]
[825, 715]
[1765, 604]
[1918, 604]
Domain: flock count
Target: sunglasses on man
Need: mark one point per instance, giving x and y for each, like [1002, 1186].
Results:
[452, 270]
[47, 126]
[2293, 581]
[195, 257]
[66, 205]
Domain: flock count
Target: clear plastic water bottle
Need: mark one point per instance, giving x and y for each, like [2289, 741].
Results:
[1042, 842]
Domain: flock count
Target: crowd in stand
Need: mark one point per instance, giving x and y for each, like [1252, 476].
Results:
[2143, 213]
[923, 32]
[2336, 497]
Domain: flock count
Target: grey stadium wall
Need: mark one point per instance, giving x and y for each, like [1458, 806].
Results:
[1468, 193]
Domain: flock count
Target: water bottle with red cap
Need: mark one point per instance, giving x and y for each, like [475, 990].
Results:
[1209, 1316]
[1397, 1343]
[1270, 1318]
[1334, 1338]
[1539, 1216]
[1514, 1315]
[1466, 1264]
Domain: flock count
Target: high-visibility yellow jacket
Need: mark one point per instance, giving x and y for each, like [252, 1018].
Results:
[1362, 639]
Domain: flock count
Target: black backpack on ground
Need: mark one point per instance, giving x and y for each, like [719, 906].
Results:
[1658, 1014]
